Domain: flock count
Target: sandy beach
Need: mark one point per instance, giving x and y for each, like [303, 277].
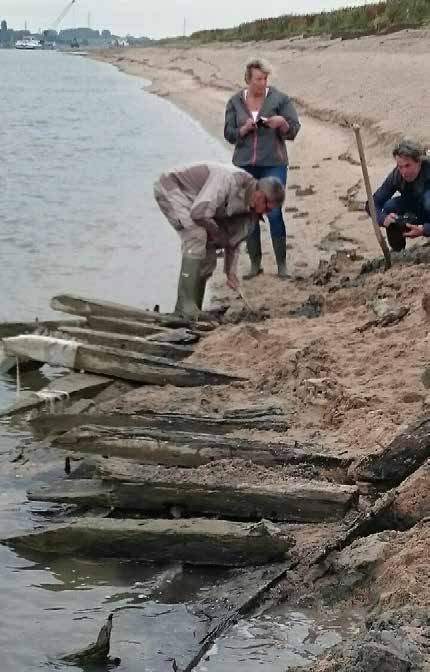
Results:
[346, 378]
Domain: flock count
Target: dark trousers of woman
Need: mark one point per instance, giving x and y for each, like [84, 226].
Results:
[276, 221]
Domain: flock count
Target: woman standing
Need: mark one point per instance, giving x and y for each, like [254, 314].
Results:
[258, 121]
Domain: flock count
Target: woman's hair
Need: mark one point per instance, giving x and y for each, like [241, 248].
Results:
[273, 189]
[410, 148]
[256, 64]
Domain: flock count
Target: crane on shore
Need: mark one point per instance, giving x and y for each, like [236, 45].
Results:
[54, 25]
[56, 22]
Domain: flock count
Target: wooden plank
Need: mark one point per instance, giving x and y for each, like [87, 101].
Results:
[8, 329]
[121, 326]
[78, 305]
[150, 446]
[127, 342]
[174, 422]
[72, 386]
[406, 453]
[132, 487]
[192, 541]
[208, 424]
[112, 362]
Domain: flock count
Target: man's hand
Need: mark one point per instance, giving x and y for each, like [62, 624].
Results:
[414, 231]
[390, 219]
[248, 126]
[278, 122]
[233, 281]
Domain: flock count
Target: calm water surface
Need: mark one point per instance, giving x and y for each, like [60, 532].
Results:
[81, 145]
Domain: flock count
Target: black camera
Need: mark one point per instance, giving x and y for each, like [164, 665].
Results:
[261, 122]
[402, 221]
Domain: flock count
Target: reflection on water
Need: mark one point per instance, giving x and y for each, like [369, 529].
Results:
[277, 640]
[81, 147]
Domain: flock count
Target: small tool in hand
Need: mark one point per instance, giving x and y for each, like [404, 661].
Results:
[245, 301]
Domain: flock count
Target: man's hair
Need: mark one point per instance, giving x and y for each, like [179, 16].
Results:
[273, 189]
[410, 148]
[256, 64]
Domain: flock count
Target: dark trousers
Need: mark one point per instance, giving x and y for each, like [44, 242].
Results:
[401, 205]
[276, 220]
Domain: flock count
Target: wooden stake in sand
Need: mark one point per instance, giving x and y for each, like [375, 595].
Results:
[380, 238]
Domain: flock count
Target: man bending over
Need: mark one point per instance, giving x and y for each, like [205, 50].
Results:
[212, 207]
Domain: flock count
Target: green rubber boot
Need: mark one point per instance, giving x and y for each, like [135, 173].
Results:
[280, 249]
[201, 292]
[187, 304]
[253, 246]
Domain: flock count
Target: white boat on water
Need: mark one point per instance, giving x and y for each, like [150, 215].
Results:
[28, 43]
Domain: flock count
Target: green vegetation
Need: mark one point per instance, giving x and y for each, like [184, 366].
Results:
[349, 21]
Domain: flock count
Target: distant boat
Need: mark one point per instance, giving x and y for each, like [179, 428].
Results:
[28, 43]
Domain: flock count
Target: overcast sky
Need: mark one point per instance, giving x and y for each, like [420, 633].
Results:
[159, 18]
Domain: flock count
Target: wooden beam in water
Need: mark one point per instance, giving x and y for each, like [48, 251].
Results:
[112, 362]
[127, 342]
[72, 386]
[124, 326]
[78, 305]
[173, 422]
[149, 446]
[9, 329]
[127, 486]
[192, 541]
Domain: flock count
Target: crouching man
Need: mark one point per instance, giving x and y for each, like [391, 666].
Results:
[406, 215]
[212, 207]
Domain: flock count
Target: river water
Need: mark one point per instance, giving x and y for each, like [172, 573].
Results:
[81, 145]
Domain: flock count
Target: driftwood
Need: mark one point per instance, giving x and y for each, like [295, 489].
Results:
[127, 342]
[72, 386]
[193, 541]
[189, 450]
[112, 362]
[126, 487]
[399, 459]
[77, 305]
[96, 653]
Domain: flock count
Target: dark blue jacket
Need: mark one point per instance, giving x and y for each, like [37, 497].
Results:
[412, 193]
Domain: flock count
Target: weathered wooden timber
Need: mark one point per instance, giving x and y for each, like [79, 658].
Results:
[112, 362]
[193, 541]
[127, 342]
[126, 487]
[128, 327]
[201, 424]
[400, 458]
[8, 329]
[190, 450]
[72, 386]
[96, 653]
[78, 305]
